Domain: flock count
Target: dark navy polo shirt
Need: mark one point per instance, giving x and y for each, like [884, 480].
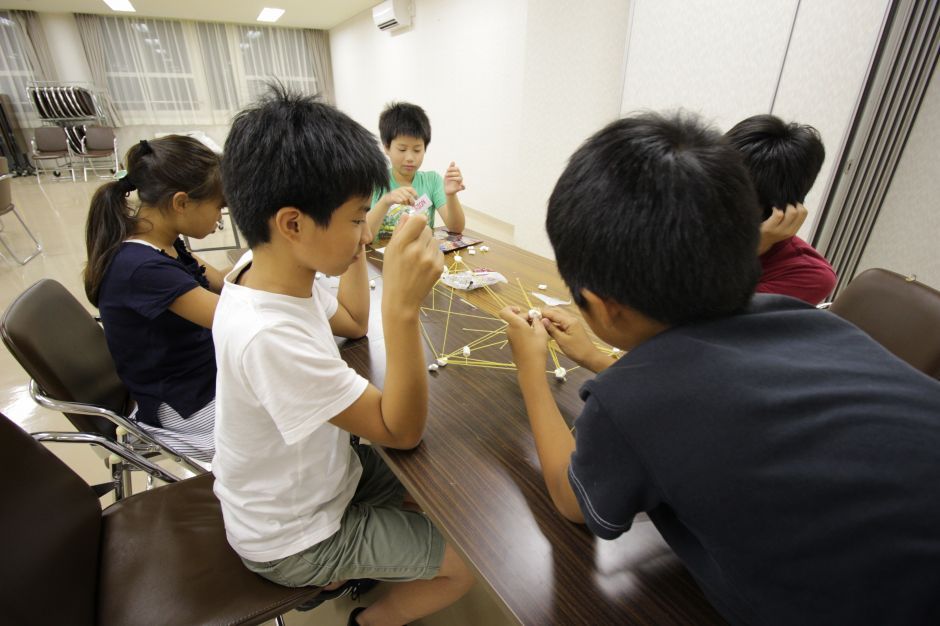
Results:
[791, 462]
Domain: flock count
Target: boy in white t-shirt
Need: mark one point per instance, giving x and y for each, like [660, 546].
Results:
[302, 506]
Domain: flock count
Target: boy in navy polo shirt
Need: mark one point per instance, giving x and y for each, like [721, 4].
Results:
[789, 460]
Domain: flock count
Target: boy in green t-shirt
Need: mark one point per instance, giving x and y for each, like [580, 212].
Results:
[406, 132]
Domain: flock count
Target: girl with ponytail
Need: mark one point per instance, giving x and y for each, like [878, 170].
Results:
[156, 298]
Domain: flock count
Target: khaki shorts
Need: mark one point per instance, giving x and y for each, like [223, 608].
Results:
[377, 538]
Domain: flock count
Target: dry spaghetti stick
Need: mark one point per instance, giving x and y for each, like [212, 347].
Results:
[447, 322]
[481, 317]
[427, 338]
[499, 301]
[475, 344]
[524, 294]
[554, 356]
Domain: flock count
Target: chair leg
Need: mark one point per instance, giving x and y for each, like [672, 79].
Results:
[36, 250]
[279, 620]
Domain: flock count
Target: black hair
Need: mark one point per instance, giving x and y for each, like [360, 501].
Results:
[292, 150]
[657, 213]
[402, 119]
[157, 169]
[783, 159]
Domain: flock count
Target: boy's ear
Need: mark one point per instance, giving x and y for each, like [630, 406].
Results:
[604, 310]
[288, 222]
[179, 200]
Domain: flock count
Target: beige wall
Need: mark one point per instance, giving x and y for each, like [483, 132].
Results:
[906, 235]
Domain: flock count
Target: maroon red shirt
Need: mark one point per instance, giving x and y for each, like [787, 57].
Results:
[794, 268]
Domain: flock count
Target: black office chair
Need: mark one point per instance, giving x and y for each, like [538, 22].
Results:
[158, 557]
[898, 312]
[64, 351]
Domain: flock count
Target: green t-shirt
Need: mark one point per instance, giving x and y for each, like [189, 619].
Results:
[430, 184]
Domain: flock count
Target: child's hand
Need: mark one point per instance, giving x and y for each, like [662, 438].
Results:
[528, 339]
[413, 263]
[453, 180]
[569, 334]
[781, 225]
[400, 195]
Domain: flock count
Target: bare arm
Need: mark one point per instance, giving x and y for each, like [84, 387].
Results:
[396, 416]
[215, 277]
[352, 315]
[197, 305]
[553, 441]
[452, 211]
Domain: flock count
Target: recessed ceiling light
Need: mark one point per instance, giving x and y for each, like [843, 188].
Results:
[120, 5]
[270, 15]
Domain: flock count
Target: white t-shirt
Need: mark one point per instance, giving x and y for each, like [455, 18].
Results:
[283, 473]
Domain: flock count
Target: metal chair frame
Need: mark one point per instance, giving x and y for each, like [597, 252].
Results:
[89, 159]
[11, 208]
[61, 161]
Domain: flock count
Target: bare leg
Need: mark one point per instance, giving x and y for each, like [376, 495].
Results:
[335, 585]
[404, 602]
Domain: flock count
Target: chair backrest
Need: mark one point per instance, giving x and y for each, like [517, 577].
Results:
[902, 315]
[62, 347]
[99, 138]
[6, 195]
[51, 139]
[51, 525]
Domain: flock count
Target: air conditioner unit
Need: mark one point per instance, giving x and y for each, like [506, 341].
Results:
[392, 14]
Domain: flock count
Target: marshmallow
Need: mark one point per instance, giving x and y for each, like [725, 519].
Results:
[472, 251]
[535, 314]
[543, 287]
[371, 284]
[442, 362]
[466, 351]
[560, 373]
[457, 258]
[432, 367]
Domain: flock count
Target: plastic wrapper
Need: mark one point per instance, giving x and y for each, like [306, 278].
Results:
[470, 280]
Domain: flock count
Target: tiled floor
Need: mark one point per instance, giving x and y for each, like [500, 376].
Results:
[55, 212]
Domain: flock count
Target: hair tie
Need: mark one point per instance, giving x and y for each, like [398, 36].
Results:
[124, 182]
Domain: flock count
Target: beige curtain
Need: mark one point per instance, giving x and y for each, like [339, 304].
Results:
[319, 42]
[89, 28]
[35, 45]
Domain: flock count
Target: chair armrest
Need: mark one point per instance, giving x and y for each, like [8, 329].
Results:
[824, 305]
[118, 420]
[113, 447]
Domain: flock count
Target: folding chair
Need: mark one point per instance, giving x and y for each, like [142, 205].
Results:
[64, 351]
[99, 143]
[7, 206]
[898, 312]
[51, 143]
[159, 557]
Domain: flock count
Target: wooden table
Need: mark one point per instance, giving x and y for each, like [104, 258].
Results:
[476, 474]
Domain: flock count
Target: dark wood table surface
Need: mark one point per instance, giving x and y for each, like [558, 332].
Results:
[476, 473]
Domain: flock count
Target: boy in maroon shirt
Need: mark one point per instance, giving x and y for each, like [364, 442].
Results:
[784, 160]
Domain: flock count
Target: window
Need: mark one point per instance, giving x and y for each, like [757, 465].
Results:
[15, 70]
[148, 67]
[276, 52]
[169, 72]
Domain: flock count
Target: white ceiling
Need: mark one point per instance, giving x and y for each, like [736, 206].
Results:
[298, 13]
